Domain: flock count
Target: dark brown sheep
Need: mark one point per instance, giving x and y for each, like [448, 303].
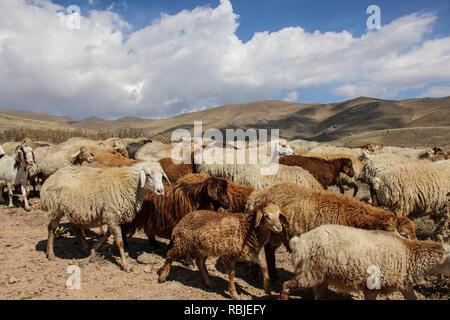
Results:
[159, 215]
[325, 171]
[237, 193]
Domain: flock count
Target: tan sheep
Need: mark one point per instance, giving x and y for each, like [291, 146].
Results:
[91, 197]
[355, 260]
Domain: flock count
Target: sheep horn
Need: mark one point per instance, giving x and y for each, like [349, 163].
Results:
[165, 176]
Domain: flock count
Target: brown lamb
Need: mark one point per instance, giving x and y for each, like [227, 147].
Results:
[232, 237]
[325, 171]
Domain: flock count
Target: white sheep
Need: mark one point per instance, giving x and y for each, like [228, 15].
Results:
[408, 153]
[14, 171]
[255, 175]
[91, 197]
[301, 146]
[354, 260]
[413, 190]
[51, 159]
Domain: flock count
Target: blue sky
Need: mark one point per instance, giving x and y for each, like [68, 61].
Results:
[228, 51]
[271, 15]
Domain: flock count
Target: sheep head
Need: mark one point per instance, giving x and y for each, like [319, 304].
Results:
[406, 228]
[25, 154]
[151, 177]
[284, 149]
[218, 192]
[81, 156]
[347, 167]
[437, 149]
[268, 216]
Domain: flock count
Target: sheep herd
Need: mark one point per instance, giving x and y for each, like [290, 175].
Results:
[234, 211]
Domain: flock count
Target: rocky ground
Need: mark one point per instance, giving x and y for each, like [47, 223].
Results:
[25, 273]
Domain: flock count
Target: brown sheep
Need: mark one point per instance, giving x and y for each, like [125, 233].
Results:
[325, 171]
[237, 193]
[111, 159]
[175, 171]
[232, 237]
[307, 209]
[159, 215]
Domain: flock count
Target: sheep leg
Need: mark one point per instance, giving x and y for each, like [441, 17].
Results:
[263, 265]
[254, 270]
[10, 193]
[116, 231]
[408, 293]
[373, 195]
[171, 256]
[51, 236]
[229, 267]
[101, 241]
[296, 284]
[356, 189]
[200, 260]
[23, 188]
[370, 294]
[271, 261]
[81, 239]
[341, 189]
[289, 287]
[318, 291]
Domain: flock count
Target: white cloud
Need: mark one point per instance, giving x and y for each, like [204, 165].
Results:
[437, 92]
[194, 58]
[291, 96]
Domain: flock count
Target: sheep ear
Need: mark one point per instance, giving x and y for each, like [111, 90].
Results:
[143, 178]
[259, 216]
[212, 190]
[20, 155]
[76, 154]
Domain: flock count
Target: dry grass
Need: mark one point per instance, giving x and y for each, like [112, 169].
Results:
[61, 135]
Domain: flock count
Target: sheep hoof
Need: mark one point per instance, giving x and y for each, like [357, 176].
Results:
[234, 297]
[127, 269]
[211, 285]
[28, 209]
[51, 256]
[162, 276]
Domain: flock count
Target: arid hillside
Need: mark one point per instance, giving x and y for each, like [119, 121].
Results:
[422, 121]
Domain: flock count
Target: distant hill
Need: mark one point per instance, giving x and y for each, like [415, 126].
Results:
[363, 119]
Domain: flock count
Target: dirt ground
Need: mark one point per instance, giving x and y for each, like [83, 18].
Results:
[25, 273]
